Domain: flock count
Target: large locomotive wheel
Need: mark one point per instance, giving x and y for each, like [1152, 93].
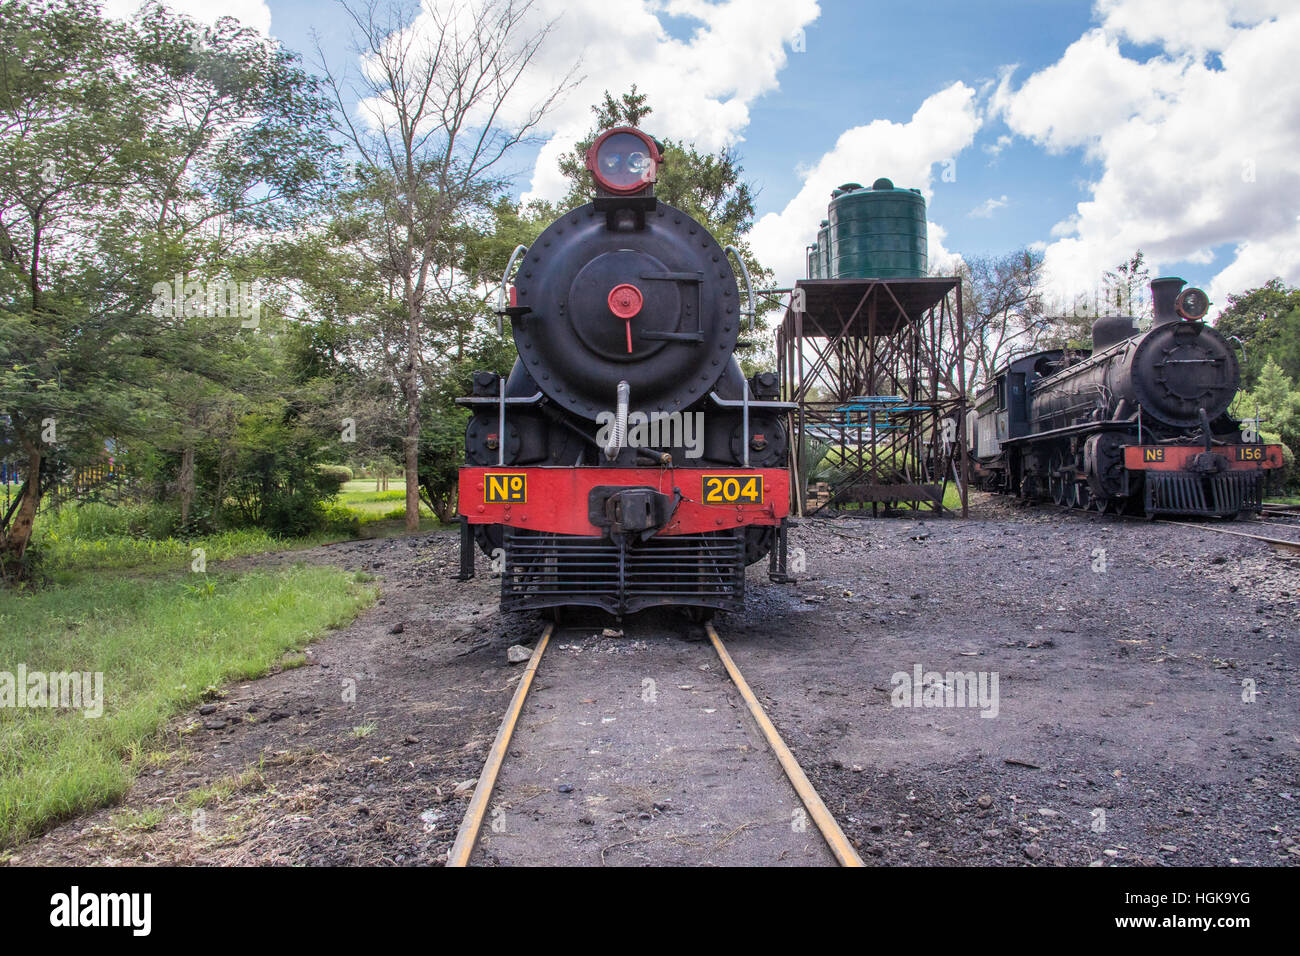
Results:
[1082, 496]
[1103, 463]
[1057, 485]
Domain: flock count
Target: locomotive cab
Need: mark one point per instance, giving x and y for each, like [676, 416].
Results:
[1001, 414]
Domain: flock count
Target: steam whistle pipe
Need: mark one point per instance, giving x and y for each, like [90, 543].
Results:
[619, 436]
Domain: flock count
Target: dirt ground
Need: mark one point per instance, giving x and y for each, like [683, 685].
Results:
[1146, 713]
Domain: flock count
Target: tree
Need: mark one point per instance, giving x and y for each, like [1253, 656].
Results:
[1003, 310]
[1276, 398]
[428, 148]
[1266, 322]
[1275, 403]
[1126, 288]
[57, 159]
[133, 158]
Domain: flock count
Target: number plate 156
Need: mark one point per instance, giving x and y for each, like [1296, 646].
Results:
[733, 489]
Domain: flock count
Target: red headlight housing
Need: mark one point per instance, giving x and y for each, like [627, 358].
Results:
[624, 160]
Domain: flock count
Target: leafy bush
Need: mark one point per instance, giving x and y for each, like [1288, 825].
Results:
[341, 473]
[340, 519]
[294, 515]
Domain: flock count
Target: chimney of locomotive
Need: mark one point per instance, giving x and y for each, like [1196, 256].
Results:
[1164, 298]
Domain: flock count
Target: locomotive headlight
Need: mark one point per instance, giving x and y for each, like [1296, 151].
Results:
[638, 162]
[1192, 304]
[624, 160]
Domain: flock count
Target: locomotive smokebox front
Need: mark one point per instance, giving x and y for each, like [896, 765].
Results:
[1183, 365]
[657, 307]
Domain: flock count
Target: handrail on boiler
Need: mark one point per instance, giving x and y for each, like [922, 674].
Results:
[502, 300]
[749, 291]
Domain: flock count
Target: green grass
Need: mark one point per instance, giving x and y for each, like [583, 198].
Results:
[396, 527]
[359, 488]
[382, 514]
[63, 552]
[360, 498]
[98, 537]
[162, 644]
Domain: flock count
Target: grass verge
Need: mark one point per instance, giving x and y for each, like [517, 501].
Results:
[161, 645]
[61, 552]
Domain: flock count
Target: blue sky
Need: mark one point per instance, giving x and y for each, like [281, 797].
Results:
[1086, 129]
[862, 65]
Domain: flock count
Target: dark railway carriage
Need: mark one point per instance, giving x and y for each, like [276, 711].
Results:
[1139, 423]
[626, 461]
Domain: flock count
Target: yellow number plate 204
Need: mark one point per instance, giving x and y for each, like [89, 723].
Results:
[501, 487]
[733, 489]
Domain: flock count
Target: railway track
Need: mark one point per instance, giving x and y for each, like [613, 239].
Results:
[1282, 545]
[1283, 516]
[1280, 518]
[467, 837]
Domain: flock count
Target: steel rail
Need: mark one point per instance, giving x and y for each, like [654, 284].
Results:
[835, 839]
[1280, 544]
[467, 835]
[470, 825]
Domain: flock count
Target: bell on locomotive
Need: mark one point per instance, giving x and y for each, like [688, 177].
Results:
[625, 461]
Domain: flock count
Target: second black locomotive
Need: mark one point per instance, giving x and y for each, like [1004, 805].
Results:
[1138, 424]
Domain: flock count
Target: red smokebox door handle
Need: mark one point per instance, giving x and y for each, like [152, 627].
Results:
[625, 301]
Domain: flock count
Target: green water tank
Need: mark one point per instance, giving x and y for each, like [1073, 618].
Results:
[876, 233]
[815, 262]
[819, 253]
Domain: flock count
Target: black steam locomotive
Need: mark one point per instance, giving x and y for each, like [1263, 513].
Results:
[626, 461]
[1137, 424]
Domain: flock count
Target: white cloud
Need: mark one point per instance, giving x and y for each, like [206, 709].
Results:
[995, 148]
[1198, 145]
[987, 208]
[940, 259]
[1194, 26]
[700, 88]
[252, 13]
[1255, 262]
[942, 127]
